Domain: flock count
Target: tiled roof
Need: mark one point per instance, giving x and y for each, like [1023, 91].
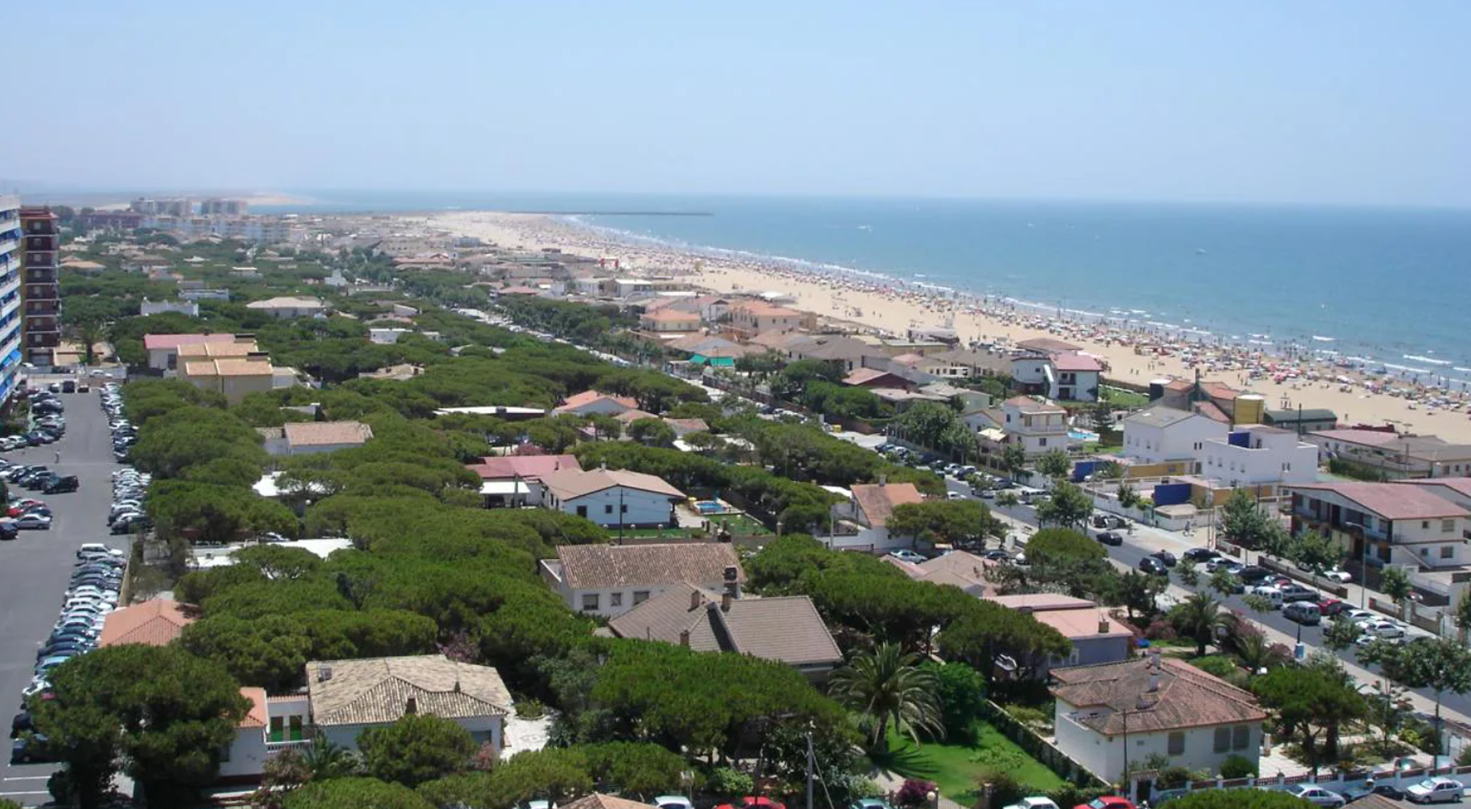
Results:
[228, 367]
[630, 416]
[1461, 486]
[1219, 390]
[524, 466]
[256, 716]
[839, 348]
[786, 341]
[764, 309]
[1076, 363]
[787, 629]
[878, 500]
[1083, 624]
[160, 341]
[1037, 602]
[598, 800]
[688, 425]
[1186, 697]
[1048, 345]
[287, 302]
[1390, 501]
[590, 567]
[218, 349]
[326, 433]
[864, 375]
[1373, 438]
[910, 359]
[155, 622]
[567, 484]
[964, 570]
[377, 690]
[668, 315]
[587, 397]
[1210, 411]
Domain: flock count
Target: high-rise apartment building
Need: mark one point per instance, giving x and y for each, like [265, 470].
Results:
[10, 317]
[42, 332]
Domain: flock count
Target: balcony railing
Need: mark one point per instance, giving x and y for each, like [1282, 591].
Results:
[290, 736]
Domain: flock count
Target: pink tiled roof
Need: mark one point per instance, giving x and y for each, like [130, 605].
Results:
[1461, 486]
[154, 623]
[154, 342]
[525, 466]
[1084, 623]
[257, 716]
[878, 500]
[1389, 500]
[1076, 363]
[587, 397]
[1373, 438]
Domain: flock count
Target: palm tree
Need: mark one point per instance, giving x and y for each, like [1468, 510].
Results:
[327, 760]
[888, 685]
[1198, 617]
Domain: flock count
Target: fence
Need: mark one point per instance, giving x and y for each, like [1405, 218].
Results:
[1335, 781]
[1038, 747]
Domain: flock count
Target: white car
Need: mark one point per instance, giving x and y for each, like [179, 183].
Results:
[1338, 575]
[1382, 628]
[1358, 616]
[1435, 790]
[1034, 802]
[1317, 796]
[906, 555]
[673, 802]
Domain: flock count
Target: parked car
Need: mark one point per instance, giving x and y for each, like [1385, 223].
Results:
[1110, 538]
[33, 521]
[57, 485]
[1166, 557]
[30, 749]
[1317, 796]
[1201, 555]
[1296, 592]
[1107, 802]
[1034, 802]
[1435, 790]
[1331, 607]
[1253, 574]
[906, 555]
[1303, 612]
[1369, 787]
[1153, 566]
[673, 802]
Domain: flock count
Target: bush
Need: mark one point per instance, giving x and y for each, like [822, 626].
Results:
[1029, 716]
[1218, 665]
[1005, 789]
[730, 781]
[1238, 767]
[1070, 794]
[914, 793]
[1160, 629]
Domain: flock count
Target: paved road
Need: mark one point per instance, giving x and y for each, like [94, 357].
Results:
[35, 567]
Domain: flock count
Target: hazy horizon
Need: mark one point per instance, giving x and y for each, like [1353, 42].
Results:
[1140, 101]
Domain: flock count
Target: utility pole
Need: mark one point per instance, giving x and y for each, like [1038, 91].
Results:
[810, 762]
[620, 515]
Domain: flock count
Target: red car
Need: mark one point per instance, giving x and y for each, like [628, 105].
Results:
[754, 802]
[1107, 802]
[1331, 607]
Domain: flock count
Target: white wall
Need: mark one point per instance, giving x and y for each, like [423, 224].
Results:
[1030, 370]
[1287, 461]
[639, 507]
[1181, 440]
[482, 728]
[1104, 755]
[1083, 388]
[627, 597]
[247, 753]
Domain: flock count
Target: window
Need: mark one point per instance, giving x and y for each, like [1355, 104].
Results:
[1176, 745]
[1042, 442]
[608, 509]
[615, 600]
[1223, 739]
[1447, 551]
[582, 511]
[640, 596]
[1240, 737]
[1424, 551]
[1425, 525]
[589, 602]
[622, 508]
[1447, 526]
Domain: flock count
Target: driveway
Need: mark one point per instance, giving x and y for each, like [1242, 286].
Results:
[35, 567]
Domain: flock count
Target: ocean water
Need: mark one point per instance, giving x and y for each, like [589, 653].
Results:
[1390, 285]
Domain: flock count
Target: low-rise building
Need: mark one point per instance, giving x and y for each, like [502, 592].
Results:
[787, 629]
[188, 308]
[1303, 420]
[750, 318]
[1037, 425]
[163, 349]
[1075, 378]
[1166, 441]
[1393, 455]
[1096, 636]
[313, 437]
[869, 507]
[956, 568]
[156, 622]
[516, 480]
[235, 377]
[610, 580]
[1386, 522]
[1255, 454]
[668, 320]
[1109, 716]
[289, 307]
[590, 401]
[612, 497]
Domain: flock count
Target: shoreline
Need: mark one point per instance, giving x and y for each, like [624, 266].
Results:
[1136, 352]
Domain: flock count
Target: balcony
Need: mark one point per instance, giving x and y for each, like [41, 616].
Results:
[41, 260]
[41, 292]
[40, 275]
[280, 737]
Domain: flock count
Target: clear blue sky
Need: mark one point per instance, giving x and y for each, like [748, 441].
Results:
[1251, 100]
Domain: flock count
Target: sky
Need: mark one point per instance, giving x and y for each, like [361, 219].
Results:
[1311, 101]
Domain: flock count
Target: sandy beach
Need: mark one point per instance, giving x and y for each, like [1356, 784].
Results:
[1134, 353]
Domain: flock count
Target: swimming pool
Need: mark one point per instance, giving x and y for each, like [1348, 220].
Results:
[1082, 435]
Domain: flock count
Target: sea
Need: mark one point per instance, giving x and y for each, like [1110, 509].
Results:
[1385, 288]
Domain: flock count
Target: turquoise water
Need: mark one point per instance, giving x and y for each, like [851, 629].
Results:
[1390, 285]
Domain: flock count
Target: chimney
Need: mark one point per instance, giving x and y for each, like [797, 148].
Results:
[883, 479]
[457, 685]
[694, 599]
[684, 638]
[324, 674]
[412, 706]
[1102, 624]
[1154, 671]
[725, 599]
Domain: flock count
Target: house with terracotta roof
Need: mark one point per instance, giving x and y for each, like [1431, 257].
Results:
[1048, 345]
[612, 497]
[156, 622]
[234, 377]
[1391, 522]
[866, 514]
[163, 349]
[1109, 716]
[1456, 490]
[289, 307]
[610, 580]
[1096, 636]
[874, 378]
[669, 321]
[598, 800]
[313, 437]
[787, 629]
[956, 568]
[516, 480]
[246, 756]
[683, 427]
[750, 318]
[591, 401]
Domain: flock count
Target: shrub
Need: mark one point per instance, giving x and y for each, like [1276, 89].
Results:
[1238, 767]
[1070, 794]
[730, 781]
[1005, 789]
[1160, 629]
[1028, 716]
[1218, 665]
[913, 793]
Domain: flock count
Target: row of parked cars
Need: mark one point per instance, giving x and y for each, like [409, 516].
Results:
[90, 596]
[124, 434]
[48, 422]
[129, 489]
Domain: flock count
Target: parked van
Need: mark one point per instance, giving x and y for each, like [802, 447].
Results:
[1271, 594]
[1303, 612]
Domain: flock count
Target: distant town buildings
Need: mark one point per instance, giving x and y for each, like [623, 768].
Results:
[10, 320]
[148, 307]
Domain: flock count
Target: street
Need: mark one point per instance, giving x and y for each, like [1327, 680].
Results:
[36, 566]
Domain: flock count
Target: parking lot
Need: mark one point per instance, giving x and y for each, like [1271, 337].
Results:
[36, 566]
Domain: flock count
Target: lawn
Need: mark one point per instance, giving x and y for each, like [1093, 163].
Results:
[957, 768]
